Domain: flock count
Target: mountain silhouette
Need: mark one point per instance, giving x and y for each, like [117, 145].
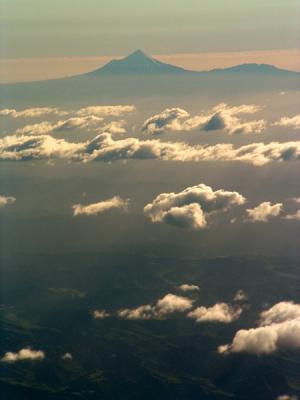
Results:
[137, 63]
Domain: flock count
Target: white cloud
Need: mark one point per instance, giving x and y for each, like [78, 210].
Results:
[67, 356]
[114, 127]
[4, 200]
[280, 312]
[220, 117]
[23, 355]
[264, 211]
[100, 314]
[167, 120]
[104, 111]
[104, 148]
[279, 329]
[292, 122]
[191, 207]
[115, 202]
[31, 112]
[45, 127]
[189, 288]
[240, 296]
[169, 304]
[220, 312]
[295, 216]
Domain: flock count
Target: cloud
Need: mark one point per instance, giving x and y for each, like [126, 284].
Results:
[104, 148]
[31, 112]
[104, 111]
[265, 339]
[264, 211]
[240, 296]
[100, 314]
[100, 111]
[279, 328]
[45, 127]
[220, 312]
[115, 202]
[189, 288]
[114, 127]
[167, 120]
[4, 200]
[23, 355]
[169, 304]
[220, 117]
[191, 207]
[295, 216]
[286, 397]
[291, 122]
[280, 312]
[67, 356]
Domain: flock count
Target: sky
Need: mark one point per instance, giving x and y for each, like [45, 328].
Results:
[57, 29]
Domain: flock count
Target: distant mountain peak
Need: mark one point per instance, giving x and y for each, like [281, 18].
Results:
[138, 63]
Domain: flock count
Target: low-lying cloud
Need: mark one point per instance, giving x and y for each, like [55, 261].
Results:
[5, 200]
[192, 207]
[221, 117]
[115, 202]
[26, 354]
[264, 211]
[220, 312]
[105, 148]
[279, 328]
[169, 304]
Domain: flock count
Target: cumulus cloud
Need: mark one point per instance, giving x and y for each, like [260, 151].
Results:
[67, 356]
[291, 122]
[280, 312]
[220, 117]
[100, 314]
[295, 216]
[46, 128]
[169, 304]
[279, 328]
[189, 288]
[104, 148]
[4, 200]
[191, 207]
[31, 112]
[115, 202]
[167, 120]
[240, 296]
[220, 312]
[264, 211]
[104, 111]
[114, 127]
[23, 355]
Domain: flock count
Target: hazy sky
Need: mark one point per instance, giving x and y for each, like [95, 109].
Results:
[55, 28]
[42, 39]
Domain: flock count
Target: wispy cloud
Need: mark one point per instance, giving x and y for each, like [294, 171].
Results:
[4, 200]
[115, 202]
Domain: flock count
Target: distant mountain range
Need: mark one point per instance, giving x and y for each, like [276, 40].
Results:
[140, 76]
[138, 63]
